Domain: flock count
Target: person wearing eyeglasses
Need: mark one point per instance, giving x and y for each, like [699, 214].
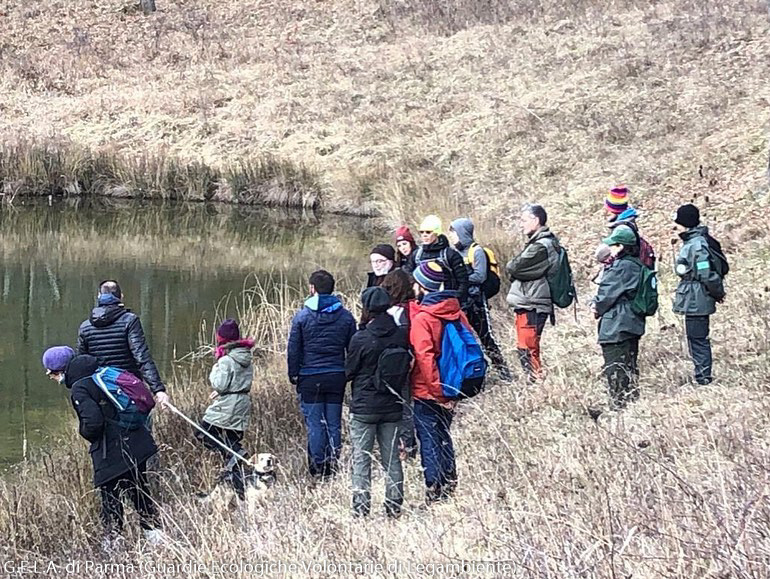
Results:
[436, 247]
[383, 261]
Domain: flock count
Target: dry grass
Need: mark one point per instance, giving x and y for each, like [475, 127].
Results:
[676, 486]
[461, 107]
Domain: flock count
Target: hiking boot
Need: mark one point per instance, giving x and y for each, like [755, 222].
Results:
[434, 494]
[392, 511]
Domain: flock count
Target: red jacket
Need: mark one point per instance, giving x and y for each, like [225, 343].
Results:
[425, 335]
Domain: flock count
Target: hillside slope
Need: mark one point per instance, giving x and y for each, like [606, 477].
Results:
[470, 106]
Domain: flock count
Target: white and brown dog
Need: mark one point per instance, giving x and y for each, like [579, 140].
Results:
[259, 477]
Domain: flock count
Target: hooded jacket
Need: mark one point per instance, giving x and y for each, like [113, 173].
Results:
[477, 264]
[700, 286]
[114, 451]
[320, 334]
[425, 334]
[618, 287]
[450, 259]
[114, 335]
[231, 378]
[367, 401]
[529, 270]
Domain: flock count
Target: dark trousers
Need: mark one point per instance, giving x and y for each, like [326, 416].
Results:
[437, 453]
[697, 331]
[134, 484]
[622, 371]
[478, 316]
[233, 468]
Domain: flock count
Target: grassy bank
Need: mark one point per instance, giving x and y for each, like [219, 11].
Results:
[71, 171]
[394, 105]
[676, 486]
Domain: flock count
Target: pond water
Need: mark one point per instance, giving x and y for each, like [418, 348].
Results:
[180, 266]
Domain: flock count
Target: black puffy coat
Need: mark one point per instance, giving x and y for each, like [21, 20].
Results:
[366, 400]
[115, 336]
[114, 451]
[451, 260]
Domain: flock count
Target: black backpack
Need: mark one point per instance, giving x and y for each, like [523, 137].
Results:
[717, 257]
[393, 367]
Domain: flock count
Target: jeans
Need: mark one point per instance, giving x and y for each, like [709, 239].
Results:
[622, 371]
[387, 435]
[478, 316]
[529, 328]
[134, 484]
[323, 418]
[437, 453]
[697, 330]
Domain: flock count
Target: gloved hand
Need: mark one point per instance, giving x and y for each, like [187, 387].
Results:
[294, 380]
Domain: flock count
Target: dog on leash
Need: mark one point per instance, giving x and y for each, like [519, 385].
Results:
[259, 478]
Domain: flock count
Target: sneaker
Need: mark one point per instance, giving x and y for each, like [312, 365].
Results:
[155, 537]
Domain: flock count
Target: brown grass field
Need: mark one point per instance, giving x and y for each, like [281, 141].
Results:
[400, 107]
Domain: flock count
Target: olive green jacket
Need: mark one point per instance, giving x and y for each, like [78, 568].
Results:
[529, 270]
[618, 287]
[231, 378]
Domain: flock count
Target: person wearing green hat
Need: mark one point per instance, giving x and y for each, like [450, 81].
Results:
[619, 326]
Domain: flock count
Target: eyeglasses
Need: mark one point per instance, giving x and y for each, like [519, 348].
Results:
[379, 261]
[426, 232]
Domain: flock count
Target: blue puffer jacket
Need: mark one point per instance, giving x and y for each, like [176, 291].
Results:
[320, 334]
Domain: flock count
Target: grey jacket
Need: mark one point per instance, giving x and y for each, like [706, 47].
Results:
[700, 286]
[231, 377]
[618, 322]
[477, 264]
[529, 271]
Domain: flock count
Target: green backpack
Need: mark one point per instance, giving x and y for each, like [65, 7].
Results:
[645, 302]
[560, 280]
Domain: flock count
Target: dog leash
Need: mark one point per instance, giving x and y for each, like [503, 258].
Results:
[222, 445]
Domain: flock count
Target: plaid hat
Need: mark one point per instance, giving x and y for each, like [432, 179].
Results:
[385, 251]
[403, 233]
[56, 359]
[431, 223]
[430, 275]
[621, 235]
[617, 200]
[375, 300]
[228, 331]
[687, 216]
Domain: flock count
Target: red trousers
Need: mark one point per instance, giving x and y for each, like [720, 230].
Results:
[529, 328]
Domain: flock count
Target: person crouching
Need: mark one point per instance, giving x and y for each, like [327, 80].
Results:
[119, 455]
[227, 418]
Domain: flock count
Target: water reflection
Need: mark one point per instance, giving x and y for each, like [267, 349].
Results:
[176, 265]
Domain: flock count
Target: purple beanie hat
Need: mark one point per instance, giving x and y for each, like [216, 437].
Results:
[56, 359]
[229, 331]
[430, 275]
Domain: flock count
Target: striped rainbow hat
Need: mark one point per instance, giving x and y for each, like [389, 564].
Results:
[617, 200]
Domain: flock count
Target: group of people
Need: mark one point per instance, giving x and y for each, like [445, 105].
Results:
[391, 356]
[113, 408]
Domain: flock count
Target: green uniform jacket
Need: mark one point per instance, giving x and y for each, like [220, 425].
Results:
[700, 285]
[618, 322]
[528, 272]
[231, 377]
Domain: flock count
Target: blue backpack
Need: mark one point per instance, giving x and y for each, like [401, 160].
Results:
[128, 394]
[461, 365]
